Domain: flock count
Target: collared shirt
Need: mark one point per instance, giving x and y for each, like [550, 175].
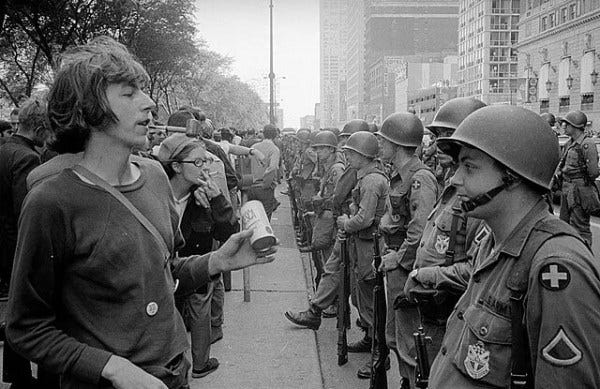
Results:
[372, 189]
[451, 273]
[415, 181]
[271, 153]
[562, 318]
[334, 168]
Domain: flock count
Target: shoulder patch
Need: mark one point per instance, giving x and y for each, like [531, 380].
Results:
[416, 184]
[561, 351]
[481, 235]
[585, 145]
[554, 276]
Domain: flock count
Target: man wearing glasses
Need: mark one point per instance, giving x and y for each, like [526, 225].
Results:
[578, 167]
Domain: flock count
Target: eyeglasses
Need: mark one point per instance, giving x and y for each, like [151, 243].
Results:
[198, 162]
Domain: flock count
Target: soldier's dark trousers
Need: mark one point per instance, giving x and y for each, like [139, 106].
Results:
[330, 280]
[576, 217]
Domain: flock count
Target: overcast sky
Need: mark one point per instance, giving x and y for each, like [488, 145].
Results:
[240, 29]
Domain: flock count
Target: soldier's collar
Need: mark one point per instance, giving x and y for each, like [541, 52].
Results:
[514, 243]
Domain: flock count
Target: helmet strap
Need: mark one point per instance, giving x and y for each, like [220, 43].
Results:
[486, 197]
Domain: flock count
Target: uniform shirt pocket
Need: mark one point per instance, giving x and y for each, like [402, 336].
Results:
[484, 349]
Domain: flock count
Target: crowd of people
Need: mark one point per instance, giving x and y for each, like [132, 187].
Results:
[471, 250]
[117, 236]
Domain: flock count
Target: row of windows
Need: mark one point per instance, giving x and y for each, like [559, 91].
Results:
[564, 103]
[558, 17]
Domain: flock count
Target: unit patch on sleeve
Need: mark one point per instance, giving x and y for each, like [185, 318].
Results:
[416, 184]
[554, 276]
[561, 350]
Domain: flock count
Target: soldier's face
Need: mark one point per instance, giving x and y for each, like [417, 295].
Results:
[477, 173]
[323, 152]
[387, 150]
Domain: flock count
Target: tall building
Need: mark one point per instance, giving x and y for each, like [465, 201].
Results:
[558, 56]
[354, 54]
[396, 31]
[487, 34]
[332, 66]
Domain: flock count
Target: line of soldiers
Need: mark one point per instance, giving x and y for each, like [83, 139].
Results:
[506, 292]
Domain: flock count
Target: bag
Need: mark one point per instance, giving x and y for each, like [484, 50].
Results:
[589, 198]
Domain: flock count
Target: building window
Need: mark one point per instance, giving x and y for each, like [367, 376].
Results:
[587, 101]
[572, 11]
[544, 105]
[544, 25]
[551, 20]
[563, 15]
[564, 104]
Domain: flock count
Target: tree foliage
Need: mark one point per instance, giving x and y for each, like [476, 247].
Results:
[161, 33]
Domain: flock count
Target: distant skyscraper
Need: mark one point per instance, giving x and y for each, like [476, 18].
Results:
[354, 54]
[488, 31]
[332, 67]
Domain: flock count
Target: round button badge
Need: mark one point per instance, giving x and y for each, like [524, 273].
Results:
[151, 308]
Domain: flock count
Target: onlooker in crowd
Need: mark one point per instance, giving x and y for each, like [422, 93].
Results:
[267, 178]
[6, 130]
[236, 137]
[91, 295]
[155, 138]
[205, 214]
[18, 156]
[14, 119]
[250, 138]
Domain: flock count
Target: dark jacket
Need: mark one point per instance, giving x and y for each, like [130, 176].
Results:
[17, 158]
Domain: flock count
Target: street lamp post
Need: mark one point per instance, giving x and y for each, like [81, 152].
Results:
[271, 74]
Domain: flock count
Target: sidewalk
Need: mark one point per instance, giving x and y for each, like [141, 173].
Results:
[260, 348]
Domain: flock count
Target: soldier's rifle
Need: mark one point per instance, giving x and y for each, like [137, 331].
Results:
[343, 312]
[379, 347]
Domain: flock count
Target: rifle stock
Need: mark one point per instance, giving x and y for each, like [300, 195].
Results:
[343, 313]
[379, 349]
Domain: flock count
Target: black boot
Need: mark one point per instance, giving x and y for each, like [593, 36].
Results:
[305, 249]
[365, 371]
[310, 318]
[362, 346]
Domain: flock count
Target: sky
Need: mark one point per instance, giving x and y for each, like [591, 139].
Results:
[240, 29]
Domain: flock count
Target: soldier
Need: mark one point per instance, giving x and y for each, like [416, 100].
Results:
[328, 286]
[551, 120]
[442, 262]
[305, 184]
[578, 168]
[325, 146]
[367, 208]
[413, 192]
[529, 316]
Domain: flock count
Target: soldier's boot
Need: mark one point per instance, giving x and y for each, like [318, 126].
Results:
[310, 318]
[305, 248]
[404, 383]
[330, 311]
[365, 371]
[362, 346]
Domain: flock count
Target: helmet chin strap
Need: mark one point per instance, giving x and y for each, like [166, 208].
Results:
[486, 197]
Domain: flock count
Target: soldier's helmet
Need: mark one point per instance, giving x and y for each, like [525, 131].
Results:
[402, 128]
[364, 143]
[353, 126]
[575, 118]
[516, 137]
[325, 138]
[549, 118]
[303, 135]
[453, 112]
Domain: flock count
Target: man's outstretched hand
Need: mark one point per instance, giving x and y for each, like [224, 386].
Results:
[236, 253]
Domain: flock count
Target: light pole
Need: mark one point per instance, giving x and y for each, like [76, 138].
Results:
[271, 74]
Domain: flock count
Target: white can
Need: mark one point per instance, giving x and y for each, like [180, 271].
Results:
[255, 218]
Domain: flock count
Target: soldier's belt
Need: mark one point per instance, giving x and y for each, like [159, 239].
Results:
[575, 179]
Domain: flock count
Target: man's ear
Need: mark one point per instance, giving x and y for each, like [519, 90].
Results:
[176, 166]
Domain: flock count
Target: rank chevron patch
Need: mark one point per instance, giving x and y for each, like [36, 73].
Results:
[561, 350]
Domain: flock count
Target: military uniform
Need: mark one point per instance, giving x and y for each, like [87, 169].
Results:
[324, 225]
[368, 206]
[561, 315]
[444, 262]
[413, 192]
[579, 168]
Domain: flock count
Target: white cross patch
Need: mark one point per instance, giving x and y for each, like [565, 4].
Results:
[554, 276]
